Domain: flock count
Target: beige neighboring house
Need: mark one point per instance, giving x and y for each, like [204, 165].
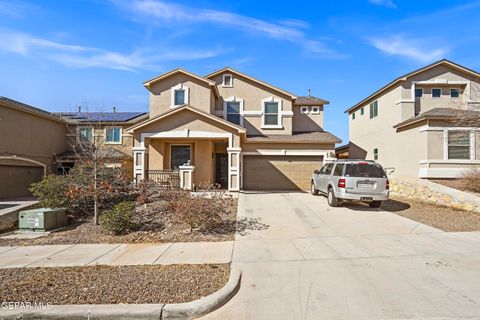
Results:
[411, 124]
[29, 139]
[109, 130]
[232, 129]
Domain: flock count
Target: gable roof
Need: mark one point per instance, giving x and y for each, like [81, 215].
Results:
[405, 76]
[13, 104]
[185, 107]
[118, 117]
[210, 75]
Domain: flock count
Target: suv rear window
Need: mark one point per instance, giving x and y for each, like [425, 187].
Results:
[364, 171]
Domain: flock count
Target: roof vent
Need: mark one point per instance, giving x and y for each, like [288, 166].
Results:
[79, 109]
[309, 92]
[114, 109]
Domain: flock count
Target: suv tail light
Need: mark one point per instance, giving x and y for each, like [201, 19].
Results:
[388, 185]
[341, 183]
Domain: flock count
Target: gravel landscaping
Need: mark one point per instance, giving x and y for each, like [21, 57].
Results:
[112, 285]
[152, 223]
[443, 218]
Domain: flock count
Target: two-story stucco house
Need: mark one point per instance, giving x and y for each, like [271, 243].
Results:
[231, 129]
[413, 123]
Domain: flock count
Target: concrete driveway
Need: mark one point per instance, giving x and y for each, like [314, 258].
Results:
[310, 261]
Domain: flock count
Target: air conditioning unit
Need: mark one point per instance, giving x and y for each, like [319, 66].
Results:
[42, 219]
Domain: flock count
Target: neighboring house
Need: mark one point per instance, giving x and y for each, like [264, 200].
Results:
[106, 129]
[29, 139]
[413, 123]
[230, 129]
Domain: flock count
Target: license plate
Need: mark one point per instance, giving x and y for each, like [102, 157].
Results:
[366, 198]
[365, 185]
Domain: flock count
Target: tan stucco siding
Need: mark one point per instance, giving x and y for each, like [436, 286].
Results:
[255, 147]
[30, 136]
[435, 142]
[308, 121]
[161, 94]
[252, 94]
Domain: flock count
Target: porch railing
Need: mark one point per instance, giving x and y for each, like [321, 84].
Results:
[165, 179]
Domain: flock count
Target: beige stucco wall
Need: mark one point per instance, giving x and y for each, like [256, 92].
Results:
[435, 141]
[31, 136]
[307, 122]
[252, 94]
[254, 147]
[200, 94]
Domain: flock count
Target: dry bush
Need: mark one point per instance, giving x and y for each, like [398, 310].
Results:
[470, 181]
[201, 211]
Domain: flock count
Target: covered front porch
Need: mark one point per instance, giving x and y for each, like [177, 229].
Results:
[199, 150]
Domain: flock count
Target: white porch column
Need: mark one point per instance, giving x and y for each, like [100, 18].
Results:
[234, 173]
[138, 164]
[186, 177]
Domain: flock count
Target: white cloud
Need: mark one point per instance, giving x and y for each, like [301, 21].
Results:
[416, 49]
[87, 57]
[161, 12]
[385, 3]
[18, 9]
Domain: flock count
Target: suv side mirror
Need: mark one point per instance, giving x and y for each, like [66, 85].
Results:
[315, 172]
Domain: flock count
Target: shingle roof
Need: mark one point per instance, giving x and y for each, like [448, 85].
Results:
[438, 113]
[101, 116]
[310, 101]
[28, 108]
[297, 137]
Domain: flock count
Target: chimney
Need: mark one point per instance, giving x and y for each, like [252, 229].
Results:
[114, 109]
[79, 109]
[309, 92]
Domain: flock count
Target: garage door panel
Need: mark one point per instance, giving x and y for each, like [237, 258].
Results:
[16, 180]
[279, 172]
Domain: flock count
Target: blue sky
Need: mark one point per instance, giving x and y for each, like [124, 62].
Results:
[96, 53]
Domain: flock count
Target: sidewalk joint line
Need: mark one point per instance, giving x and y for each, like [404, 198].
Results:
[86, 264]
[73, 245]
[161, 254]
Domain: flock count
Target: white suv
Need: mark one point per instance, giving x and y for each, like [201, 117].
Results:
[351, 180]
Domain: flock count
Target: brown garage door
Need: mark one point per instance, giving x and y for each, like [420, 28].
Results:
[15, 180]
[279, 172]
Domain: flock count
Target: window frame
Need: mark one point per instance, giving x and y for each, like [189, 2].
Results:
[375, 153]
[458, 90]
[421, 92]
[440, 89]
[224, 84]
[186, 99]
[120, 135]
[240, 111]
[180, 145]
[329, 166]
[373, 109]
[313, 111]
[362, 111]
[304, 109]
[353, 115]
[342, 165]
[471, 143]
[79, 129]
[279, 124]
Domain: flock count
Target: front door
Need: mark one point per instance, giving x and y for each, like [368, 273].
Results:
[221, 169]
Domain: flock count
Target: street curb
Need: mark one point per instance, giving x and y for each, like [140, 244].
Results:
[188, 310]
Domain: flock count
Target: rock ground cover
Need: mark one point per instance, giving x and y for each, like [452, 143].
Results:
[112, 284]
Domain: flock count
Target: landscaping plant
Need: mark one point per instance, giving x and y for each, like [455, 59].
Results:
[118, 219]
[470, 180]
[51, 191]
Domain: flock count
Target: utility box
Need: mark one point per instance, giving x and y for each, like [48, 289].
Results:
[42, 219]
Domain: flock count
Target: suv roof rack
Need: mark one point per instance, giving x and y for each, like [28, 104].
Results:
[350, 160]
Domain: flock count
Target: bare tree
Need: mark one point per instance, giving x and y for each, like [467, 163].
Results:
[470, 115]
[94, 159]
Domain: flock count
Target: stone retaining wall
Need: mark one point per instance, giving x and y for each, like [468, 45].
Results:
[427, 191]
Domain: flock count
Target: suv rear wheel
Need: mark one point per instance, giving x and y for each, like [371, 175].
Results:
[332, 200]
[375, 204]
[313, 190]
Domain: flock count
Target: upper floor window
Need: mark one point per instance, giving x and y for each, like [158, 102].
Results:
[85, 134]
[233, 112]
[373, 109]
[270, 114]
[353, 116]
[375, 154]
[436, 92]
[362, 111]
[458, 144]
[114, 135]
[418, 92]
[179, 95]
[227, 80]
[315, 110]
[454, 93]
[304, 109]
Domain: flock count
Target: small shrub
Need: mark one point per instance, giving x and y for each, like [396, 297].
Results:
[205, 210]
[51, 191]
[470, 181]
[118, 219]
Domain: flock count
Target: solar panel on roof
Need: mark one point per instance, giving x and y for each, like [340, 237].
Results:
[102, 116]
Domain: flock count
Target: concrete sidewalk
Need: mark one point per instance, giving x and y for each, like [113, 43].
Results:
[116, 254]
